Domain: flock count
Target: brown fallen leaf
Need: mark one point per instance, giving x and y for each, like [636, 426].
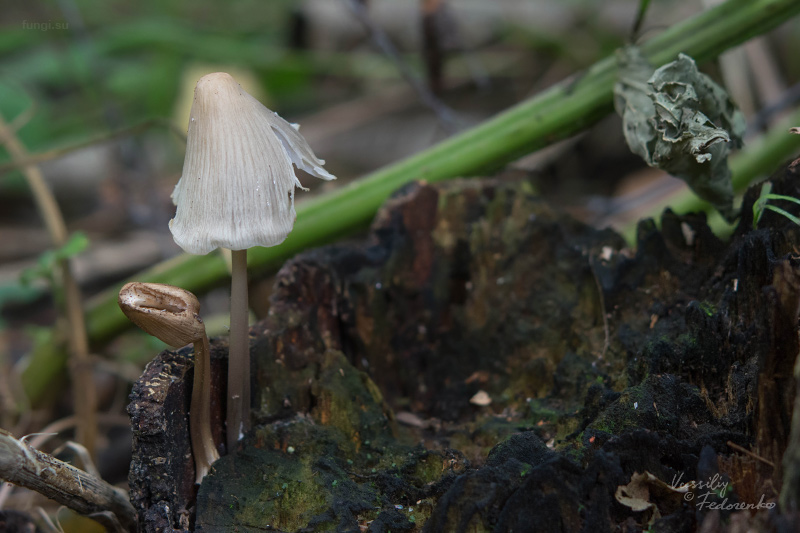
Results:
[647, 493]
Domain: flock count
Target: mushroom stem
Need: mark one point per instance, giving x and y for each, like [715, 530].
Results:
[238, 411]
[203, 449]
[172, 315]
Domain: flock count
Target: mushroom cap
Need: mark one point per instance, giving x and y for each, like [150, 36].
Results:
[168, 313]
[237, 186]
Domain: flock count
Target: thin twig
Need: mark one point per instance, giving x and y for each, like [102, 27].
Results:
[55, 153]
[83, 389]
[27, 467]
[23, 118]
[81, 453]
[51, 527]
[432, 45]
[445, 115]
[751, 454]
[606, 329]
[66, 423]
[8, 404]
[39, 438]
[45, 200]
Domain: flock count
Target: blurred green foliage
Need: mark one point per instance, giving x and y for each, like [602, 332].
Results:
[131, 63]
[126, 63]
[48, 261]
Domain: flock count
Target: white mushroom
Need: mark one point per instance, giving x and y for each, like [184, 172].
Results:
[237, 187]
[236, 192]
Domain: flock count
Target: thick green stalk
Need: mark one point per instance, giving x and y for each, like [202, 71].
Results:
[564, 110]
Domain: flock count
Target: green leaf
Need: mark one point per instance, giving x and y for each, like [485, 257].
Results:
[784, 213]
[761, 202]
[42, 270]
[48, 260]
[76, 243]
[782, 197]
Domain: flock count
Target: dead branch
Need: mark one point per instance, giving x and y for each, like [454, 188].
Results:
[27, 467]
[127, 131]
[446, 116]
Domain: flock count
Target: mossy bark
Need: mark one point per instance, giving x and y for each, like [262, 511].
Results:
[598, 363]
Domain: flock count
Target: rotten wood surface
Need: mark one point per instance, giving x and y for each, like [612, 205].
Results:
[483, 363]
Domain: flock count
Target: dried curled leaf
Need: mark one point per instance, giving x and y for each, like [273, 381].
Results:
[647, 493]
[677, 119]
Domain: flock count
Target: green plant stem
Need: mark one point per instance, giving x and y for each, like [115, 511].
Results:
[83, 390]
[238, 409]
[564, 110]
[637, 25]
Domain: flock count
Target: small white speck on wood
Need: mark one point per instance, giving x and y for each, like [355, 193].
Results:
[481, 398]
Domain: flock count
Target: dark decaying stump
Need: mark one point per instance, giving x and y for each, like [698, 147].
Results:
[483, 363]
